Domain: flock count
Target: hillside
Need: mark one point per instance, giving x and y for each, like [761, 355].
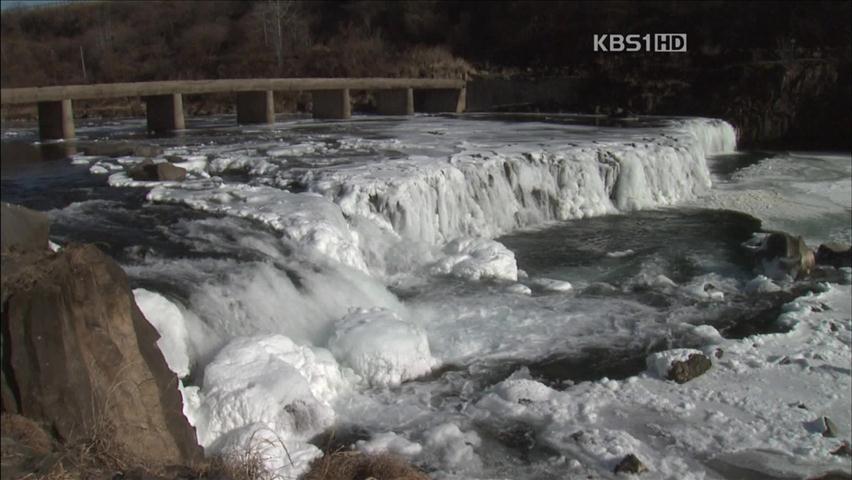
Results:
[763, 65]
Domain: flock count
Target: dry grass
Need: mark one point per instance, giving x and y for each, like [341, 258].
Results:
[26, 432]
[360, 466]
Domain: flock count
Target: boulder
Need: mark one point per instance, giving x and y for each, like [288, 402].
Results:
[23, 229]
[148, 171]
[170, 173]
[829, 428]
[783, 253]
[631, 465]
[145, 171]
[836, 255]
[680, 365]
[79, 356]
[684, 371]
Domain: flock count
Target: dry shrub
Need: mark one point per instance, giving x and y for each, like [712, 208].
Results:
[95, 451]
[358, 466]
[432, 62]
[242, 466]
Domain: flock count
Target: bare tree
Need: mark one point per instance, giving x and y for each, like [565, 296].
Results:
[283, 26]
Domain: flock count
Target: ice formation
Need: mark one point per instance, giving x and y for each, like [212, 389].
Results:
[381, 347]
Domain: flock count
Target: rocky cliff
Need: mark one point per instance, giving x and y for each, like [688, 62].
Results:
[79, 356]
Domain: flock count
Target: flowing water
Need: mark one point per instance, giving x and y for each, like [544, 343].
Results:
[368, 282]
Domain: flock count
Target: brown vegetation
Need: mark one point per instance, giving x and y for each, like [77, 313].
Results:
[360, 466]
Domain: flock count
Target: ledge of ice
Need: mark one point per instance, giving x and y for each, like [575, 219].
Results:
[309, 221]
[168, 320]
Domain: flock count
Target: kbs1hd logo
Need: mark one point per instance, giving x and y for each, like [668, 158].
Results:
[655, 43]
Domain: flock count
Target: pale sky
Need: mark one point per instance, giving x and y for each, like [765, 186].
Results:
[4, 4]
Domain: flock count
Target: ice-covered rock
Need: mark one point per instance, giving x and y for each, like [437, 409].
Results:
[381, 347]
[477, 258]
[551, 284]
[268, 380]
[454, 448]
[680, 364]
[389, 442]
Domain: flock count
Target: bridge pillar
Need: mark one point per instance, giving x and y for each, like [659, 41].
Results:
[164, 112]
[395, 102]
[255, 107]
[440, 100]
[55, 120]
[332, 104]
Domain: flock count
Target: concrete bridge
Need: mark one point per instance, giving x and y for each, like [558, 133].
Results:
[253, 97]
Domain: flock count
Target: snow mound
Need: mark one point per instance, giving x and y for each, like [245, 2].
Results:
[381, 347]
[391, 443]
[477, 258]
[270, 381]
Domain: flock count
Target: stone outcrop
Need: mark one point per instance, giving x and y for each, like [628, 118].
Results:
[784, 252]
[686, 370]
[23, 229]
[79, 356]
[148, 171]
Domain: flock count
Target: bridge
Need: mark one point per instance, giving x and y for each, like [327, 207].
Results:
[253, 97]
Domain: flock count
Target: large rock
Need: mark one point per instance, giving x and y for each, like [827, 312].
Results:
[78, 355]
[783, 253]
[148, 171]
[680, 365]
[834, 254]
[170, 173]
[23, 229]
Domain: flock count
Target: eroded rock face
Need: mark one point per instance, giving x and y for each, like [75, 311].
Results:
[22, 228]
[77, 353]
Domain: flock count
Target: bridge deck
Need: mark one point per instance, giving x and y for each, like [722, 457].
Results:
[141, 89]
